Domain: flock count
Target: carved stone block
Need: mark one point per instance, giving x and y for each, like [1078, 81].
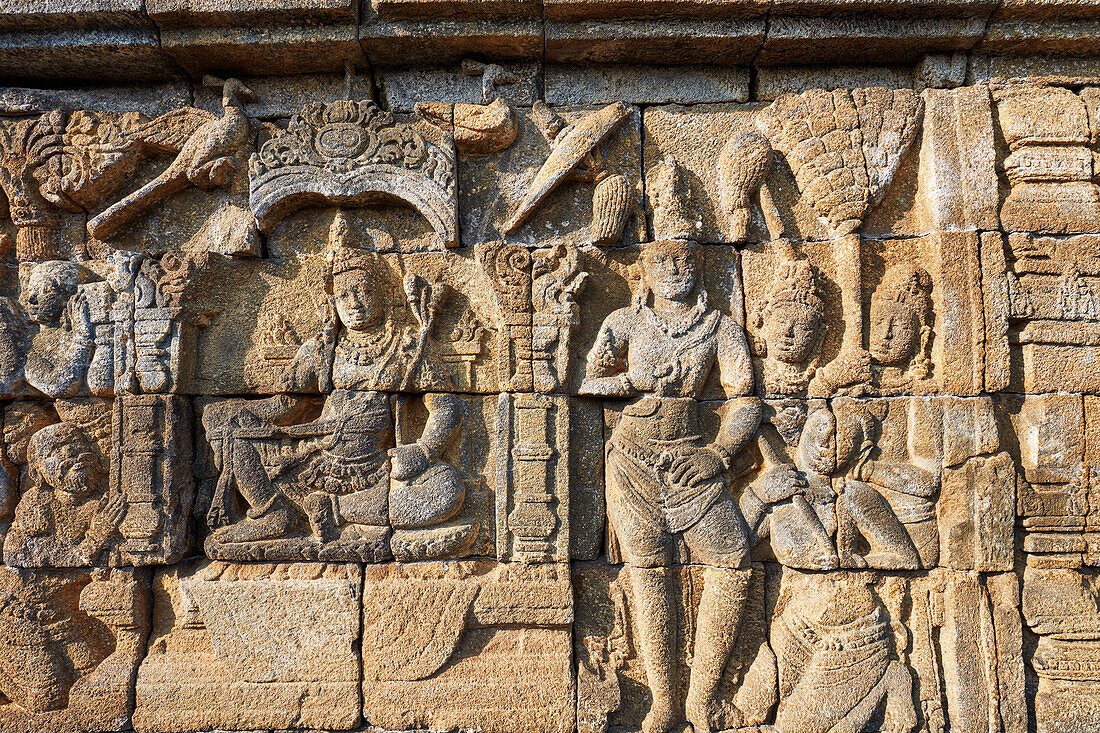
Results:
[227, 648]
[1063, 660]
[948, 640]
[752, 362]
[347, 479]
[468, 644]
[572, 176]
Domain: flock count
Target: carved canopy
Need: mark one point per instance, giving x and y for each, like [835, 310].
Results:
[353, 154]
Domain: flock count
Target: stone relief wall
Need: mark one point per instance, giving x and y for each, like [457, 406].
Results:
[510, 394]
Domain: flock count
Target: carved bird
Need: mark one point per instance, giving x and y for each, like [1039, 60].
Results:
[205, 145]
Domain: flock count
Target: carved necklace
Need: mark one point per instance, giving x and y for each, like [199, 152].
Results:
[676, 326]
[363, 349]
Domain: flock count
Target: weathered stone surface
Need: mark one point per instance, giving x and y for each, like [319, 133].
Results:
[90, 40]
[449, 645]
[217, 35]
[71, 641]
[252, 646]
[648, 41]
[588, 84]
[110, 484]
[401, 89]
[549, 365]
[495, 189]
[976, 656]
[1060, 609]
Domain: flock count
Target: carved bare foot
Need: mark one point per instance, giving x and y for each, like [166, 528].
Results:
[702, 714]
[659, 719]
[276, 522]
[320, 509]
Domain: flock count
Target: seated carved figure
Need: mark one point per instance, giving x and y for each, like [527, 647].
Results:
[801, 525]
[64, 518]
[44, 647]
[341, 482]
[62, 344]
[889, 504]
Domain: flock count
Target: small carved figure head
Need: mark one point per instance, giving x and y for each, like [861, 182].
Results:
[790, 321]
[65, 459]
[670, 268]
[901, 314]
[360, 289]
[49, 288]
[817, 444]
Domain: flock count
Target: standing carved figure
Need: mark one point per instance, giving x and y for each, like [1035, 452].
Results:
[65, 517]
[664, 481]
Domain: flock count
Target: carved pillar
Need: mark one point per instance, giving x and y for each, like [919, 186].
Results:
[151, 467]
[532, 477]
[27, 145]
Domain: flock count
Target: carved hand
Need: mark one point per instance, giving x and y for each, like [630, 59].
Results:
[781, 482]
[407, 461]
[80, 318]
[105, 523]
[695, 468]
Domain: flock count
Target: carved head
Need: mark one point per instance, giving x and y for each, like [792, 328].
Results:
[360, 289]
[65, 459]
[670, 268]
[901, 312]
[817, 444]
[49, 288]
[790, 322]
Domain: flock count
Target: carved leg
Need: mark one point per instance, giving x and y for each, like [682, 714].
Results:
[901, 714]
[891, 547]
[656, 619]
[269, 515]
[895, 690]
[721, 608]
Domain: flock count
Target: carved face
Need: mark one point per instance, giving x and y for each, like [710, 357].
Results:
[790, 331]
[671, 269]
[817, 446]
[358, 304]
[894, 332]
[66, 460]
[47, 293]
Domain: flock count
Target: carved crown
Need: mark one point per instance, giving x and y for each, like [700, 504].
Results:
[353, 154]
